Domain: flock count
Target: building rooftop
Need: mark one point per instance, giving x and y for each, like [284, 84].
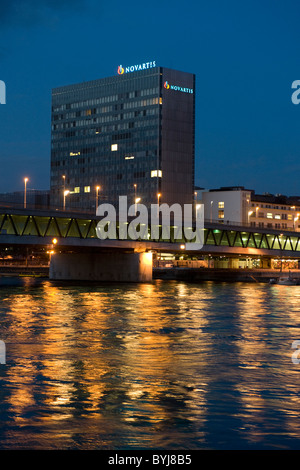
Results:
[231, 188]
[276, 198]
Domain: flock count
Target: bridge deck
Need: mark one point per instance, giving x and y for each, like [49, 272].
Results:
[40, 227]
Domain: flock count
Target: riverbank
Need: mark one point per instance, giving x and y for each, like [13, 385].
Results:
[215, 274]
[32, 271]
[174, 273]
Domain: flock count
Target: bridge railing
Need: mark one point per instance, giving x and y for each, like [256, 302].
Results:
[60, 212]
[64, 226]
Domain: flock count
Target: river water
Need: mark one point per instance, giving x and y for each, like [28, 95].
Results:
[167, 365]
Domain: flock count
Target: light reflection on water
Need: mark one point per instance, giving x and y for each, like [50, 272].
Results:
[167, 365]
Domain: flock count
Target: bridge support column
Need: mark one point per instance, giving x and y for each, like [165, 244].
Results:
[113, 267]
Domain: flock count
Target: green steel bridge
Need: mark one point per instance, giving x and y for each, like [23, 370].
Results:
[38, 227]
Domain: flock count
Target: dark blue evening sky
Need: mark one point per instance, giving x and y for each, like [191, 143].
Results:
[245, 55]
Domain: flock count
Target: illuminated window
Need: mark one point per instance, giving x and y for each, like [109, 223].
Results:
[221, 205]
[129, 157]
[114, 147]
[290, 217]
[277, 216]
[73, 154]
[87, 189]
[160, 100]
[77, 189]
[156, 173]
[269, 215]
[221, 214]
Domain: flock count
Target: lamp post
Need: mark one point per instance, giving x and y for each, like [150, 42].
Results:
[295, 220]
[97, 196]
[158, 198]
[211, 204]
[249, 213]
[25, 189]
[66, 192]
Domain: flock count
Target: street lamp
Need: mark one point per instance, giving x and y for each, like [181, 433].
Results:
[66, 192]
[295, 220]
[25, 188]
[158, 198]
[211, 204]
[136, 201]
[97, 195]
[195, 202]
[249, 213]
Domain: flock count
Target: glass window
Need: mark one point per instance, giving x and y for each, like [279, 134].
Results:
[155, 173]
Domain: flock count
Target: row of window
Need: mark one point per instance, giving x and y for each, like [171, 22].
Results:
[270, 215]
[109, 118]
[268, 225]
[107, 109]
[283, 208]
[106, 99]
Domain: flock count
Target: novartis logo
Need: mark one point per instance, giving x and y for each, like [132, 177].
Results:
[167, 86]
[136, 68]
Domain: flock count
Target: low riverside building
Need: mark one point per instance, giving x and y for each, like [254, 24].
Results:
[236, 205]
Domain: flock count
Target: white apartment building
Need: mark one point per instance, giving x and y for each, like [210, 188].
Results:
[237, 205]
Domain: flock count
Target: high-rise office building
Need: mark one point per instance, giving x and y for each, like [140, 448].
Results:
[130, 134]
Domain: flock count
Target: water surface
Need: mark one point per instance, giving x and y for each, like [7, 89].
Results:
[167, 365]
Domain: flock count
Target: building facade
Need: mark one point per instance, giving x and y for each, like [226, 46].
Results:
[130, 134]
[237, 205]
[227, 205]
[275, 211]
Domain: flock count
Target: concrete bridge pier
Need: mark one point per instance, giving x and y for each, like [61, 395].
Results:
[113, 267]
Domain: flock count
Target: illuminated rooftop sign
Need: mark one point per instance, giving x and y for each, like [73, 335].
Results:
[167, 86]
[136, 68]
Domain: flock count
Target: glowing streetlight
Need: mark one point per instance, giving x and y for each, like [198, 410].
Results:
[249, 213]
[195, 202]
[158, 198]
[97, 196]
[25, 189]
[295, 220]
[66, 192]
[137, 200]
